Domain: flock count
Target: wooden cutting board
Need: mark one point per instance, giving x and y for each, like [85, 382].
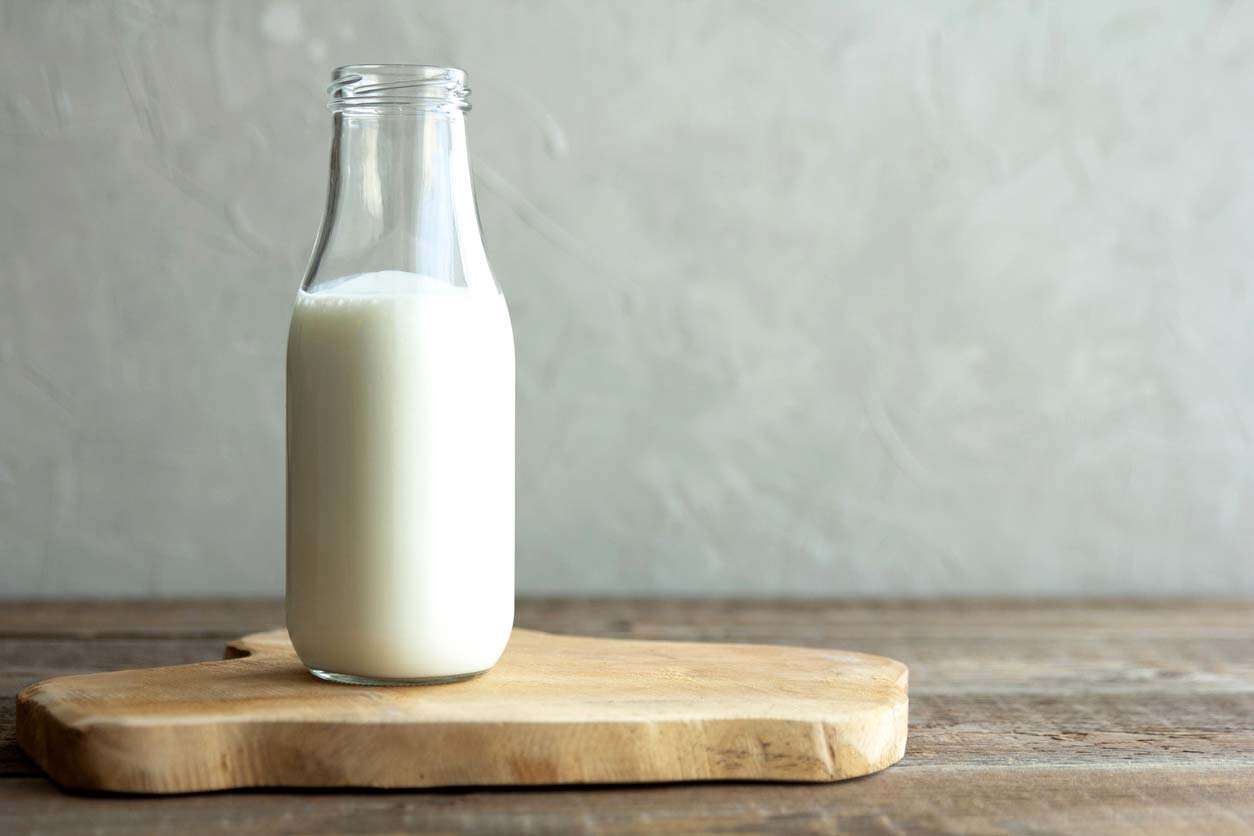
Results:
[555, 710]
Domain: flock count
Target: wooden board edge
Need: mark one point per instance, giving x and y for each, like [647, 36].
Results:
[119, 759]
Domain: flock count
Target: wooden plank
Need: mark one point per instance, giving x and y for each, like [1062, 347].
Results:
[223, 619]
[941, 664]
[998, 728]
[40, 658]
[1095, 800]
[12, 761]
[1067, 614]
[960, 730]
[1139, 730]
[681, 619]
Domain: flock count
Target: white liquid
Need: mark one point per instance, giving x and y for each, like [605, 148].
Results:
[400, 399]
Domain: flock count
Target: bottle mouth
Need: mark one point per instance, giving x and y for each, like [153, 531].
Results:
[397, 88]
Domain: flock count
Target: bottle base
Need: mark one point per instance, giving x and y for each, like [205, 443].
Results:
[350, 679]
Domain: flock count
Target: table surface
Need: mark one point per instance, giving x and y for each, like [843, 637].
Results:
[1025, 717]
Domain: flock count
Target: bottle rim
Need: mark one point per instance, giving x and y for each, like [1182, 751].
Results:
[397, 88]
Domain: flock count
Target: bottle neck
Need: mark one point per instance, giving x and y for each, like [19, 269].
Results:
[400, 198]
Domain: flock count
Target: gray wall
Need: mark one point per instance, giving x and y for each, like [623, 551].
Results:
[828, 298]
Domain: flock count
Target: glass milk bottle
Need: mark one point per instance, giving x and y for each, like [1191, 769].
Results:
[400, 400]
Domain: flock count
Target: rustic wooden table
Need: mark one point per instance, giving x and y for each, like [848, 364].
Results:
[1025, 717]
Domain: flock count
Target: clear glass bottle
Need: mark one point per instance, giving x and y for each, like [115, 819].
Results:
[400, 400]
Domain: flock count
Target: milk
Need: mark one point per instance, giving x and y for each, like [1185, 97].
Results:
[400, 428]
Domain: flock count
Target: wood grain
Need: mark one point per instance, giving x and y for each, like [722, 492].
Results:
[555, 710]
[1103, 800]
[1092, 716]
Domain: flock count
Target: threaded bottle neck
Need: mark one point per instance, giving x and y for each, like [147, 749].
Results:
[397, 88]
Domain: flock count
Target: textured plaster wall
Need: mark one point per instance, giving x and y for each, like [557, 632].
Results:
[810, 298]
